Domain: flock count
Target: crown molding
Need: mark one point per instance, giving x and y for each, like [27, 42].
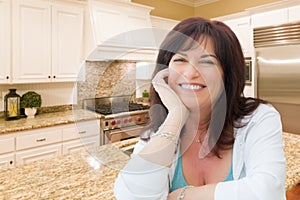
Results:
[194, 3]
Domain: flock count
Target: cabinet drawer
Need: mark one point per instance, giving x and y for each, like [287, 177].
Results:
[7, 145]
[42, 137]
[81, 129]
[86, 143]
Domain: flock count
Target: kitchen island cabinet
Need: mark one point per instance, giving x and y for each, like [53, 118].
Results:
[91, 174]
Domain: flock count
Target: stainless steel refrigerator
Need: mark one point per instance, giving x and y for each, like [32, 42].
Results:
[277, 57]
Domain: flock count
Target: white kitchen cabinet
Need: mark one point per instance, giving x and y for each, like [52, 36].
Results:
[67, 41]
[27, 146]
[162, 27]
[294, 14]
[7, 160]
[38, 144]
[87, 143]
[270, 18]
[243, 30]
[47, 41]
[38, 137]
[5, 47]
[113, 23]
[34, 154]
[81, 135]
[7, 155]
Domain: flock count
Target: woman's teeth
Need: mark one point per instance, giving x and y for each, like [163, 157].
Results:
[191, 87]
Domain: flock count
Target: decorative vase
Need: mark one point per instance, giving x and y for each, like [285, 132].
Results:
[30, 112]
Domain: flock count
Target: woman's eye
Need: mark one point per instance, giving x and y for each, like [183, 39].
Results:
[179, 60]
[206, 62]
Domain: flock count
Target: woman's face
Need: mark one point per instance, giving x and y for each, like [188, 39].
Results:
[196, 75]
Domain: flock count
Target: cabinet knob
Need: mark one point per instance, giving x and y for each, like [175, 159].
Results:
[49, 76]
[11, 162]
[54, 76]
[7, 77]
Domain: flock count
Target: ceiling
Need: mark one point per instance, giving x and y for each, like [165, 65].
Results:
[194, 3]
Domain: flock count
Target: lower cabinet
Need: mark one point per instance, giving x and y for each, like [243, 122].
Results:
[45, 152]
[7, 154]
[87, 143]
[27, 146]
[7, 160]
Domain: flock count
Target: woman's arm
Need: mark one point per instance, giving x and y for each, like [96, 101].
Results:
[146, 174]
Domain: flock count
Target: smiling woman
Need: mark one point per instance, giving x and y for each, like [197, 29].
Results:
[205, 140]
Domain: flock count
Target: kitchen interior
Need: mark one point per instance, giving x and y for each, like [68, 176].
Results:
[91, 62]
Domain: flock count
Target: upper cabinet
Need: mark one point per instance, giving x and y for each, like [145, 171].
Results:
[121, 30]
[47, 41]
[113, 22]
[276, 17]
[242, 28]
[294, 14]
[5, 47]
[269, 18]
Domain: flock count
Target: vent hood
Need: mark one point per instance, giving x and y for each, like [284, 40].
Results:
[122, 31]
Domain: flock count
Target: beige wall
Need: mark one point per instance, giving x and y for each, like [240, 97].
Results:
[225, 7]
[168, 9]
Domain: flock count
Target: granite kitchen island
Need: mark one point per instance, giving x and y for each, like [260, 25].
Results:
[91, 175]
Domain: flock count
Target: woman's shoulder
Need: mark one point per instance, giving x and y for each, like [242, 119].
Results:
[264, 115]
[262, 111]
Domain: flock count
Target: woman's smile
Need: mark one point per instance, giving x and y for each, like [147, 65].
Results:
[192, 86]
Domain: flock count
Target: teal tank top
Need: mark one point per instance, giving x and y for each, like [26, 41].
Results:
[178, 178]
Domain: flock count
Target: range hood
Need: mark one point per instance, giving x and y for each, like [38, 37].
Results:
[122, 31]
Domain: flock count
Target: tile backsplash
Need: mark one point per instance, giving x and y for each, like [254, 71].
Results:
[107, 78]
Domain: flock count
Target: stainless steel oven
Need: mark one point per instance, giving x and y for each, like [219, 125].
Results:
[120, 119]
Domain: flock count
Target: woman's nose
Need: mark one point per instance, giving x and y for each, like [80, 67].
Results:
[191, 71]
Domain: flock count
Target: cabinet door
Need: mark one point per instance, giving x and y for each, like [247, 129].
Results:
[27, 156]
[5, 47]
[31, 41]
[67, 42]
[270, 18]
[7, 160]
[108, 23]
[86, 143]
[294, 14]
[138, 36]
[243, 30]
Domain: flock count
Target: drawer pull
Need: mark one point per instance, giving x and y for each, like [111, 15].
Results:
[41, 140]
[82, 132]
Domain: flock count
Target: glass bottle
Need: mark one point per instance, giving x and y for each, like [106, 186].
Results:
[12, 105]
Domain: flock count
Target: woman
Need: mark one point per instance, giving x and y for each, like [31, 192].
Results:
[206, 140]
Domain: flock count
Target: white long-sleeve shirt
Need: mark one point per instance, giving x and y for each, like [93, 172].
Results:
[257, 159]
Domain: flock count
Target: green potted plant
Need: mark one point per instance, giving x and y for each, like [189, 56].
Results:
[30, 101]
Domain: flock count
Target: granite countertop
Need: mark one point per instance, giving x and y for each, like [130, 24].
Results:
[91, 175]
[46, 120]
[84, 175]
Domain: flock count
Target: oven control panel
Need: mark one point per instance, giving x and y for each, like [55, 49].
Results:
[124, 121]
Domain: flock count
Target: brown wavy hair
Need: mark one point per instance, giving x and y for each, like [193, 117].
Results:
[229, 53]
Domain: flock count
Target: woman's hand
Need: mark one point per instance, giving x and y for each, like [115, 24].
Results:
[169, 98]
